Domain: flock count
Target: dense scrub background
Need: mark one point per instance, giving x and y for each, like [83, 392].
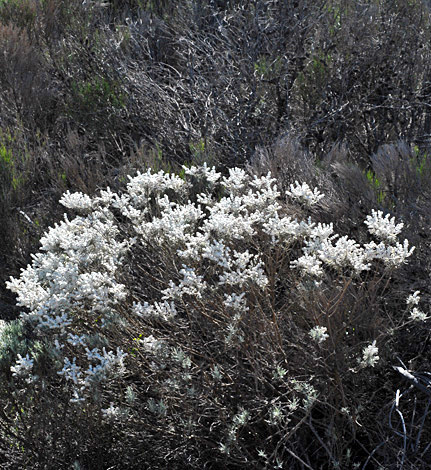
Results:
[88, 92]
[335, 93]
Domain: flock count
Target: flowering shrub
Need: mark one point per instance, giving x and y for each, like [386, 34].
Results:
[207, 291]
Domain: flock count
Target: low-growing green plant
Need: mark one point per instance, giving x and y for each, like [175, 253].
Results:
[376, 185]
[96, 95]
[421, 162]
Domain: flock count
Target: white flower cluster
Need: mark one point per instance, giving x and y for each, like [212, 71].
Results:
[101, 363]
[112, 412]
[74, 276]
[389, 250]
[413, 299]
[151, 344]
[392, 256]
[173, 224]
[203, 172]
[163, 310]
[191, 284]
[308, 264]
[77, 201]
[344, 253]
[146, 185]
[236, 302]
[23, 367]
[284, 229]
[416, 313]
[370, 355]
[304, 194]
[318, 334]
[383, 228]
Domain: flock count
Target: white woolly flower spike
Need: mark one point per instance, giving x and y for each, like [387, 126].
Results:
[77, 201]
[392, 256]
[203, 172]
[236, 181]
[415, 313]
[418, 315]
[23, 366]
[413, 299]
[383, 228]
[344, 253]
[318, 334]
[304, 194]
[370, 355]
[308, 264]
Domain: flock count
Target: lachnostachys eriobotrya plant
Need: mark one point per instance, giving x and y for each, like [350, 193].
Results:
[239, 313]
